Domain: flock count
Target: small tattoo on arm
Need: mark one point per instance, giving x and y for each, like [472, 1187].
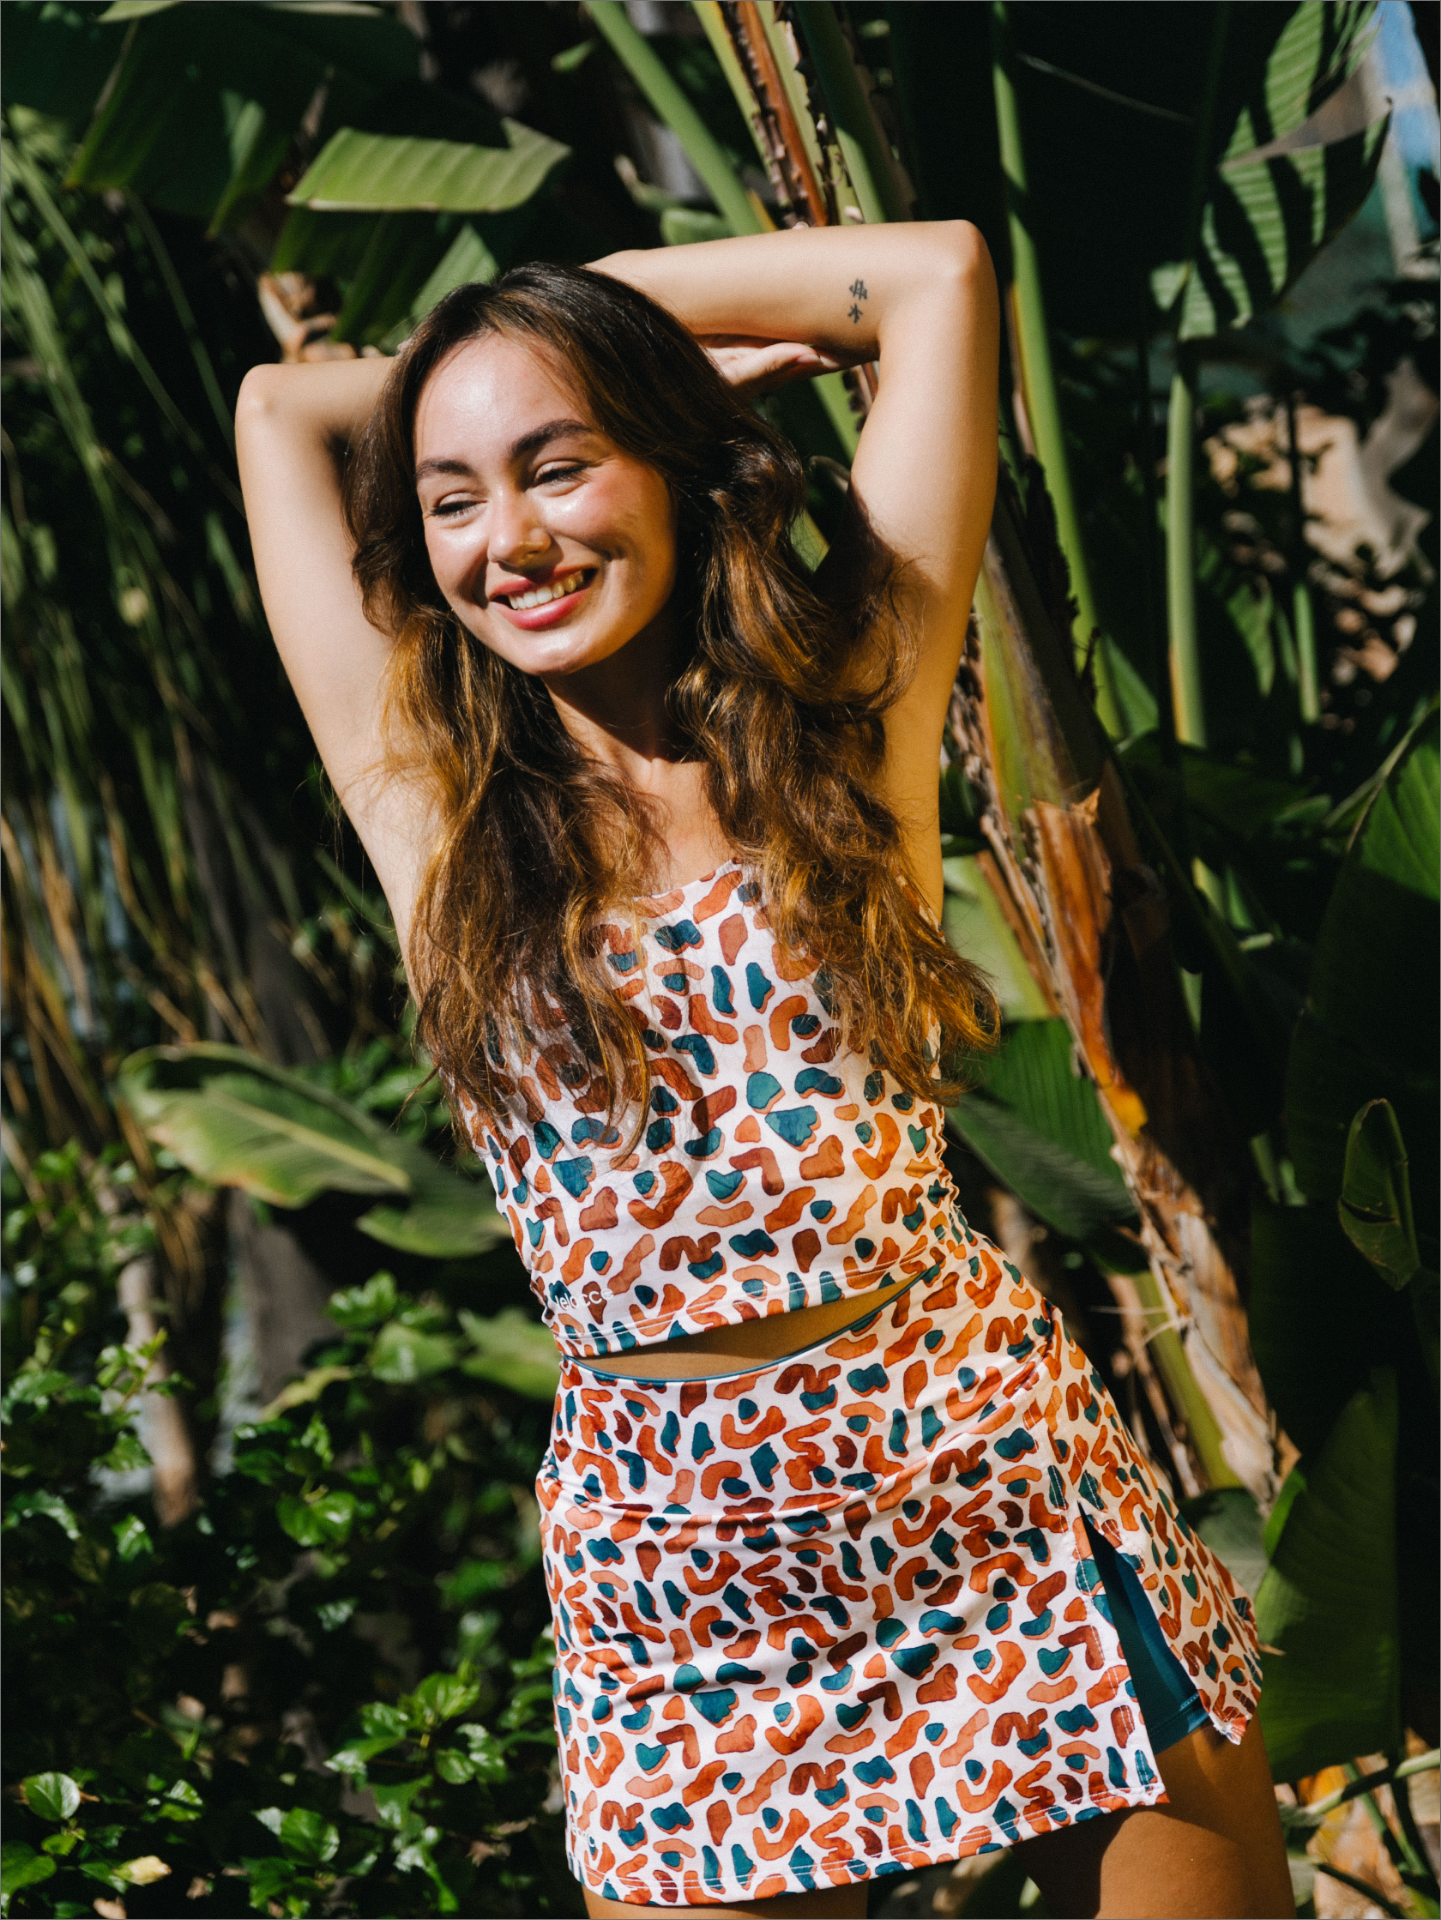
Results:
[858, 292]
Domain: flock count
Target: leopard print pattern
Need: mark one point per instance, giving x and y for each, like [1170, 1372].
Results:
[839, 1617]
[774, 1170]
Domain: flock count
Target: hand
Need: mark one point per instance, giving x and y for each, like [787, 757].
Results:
[754, 367]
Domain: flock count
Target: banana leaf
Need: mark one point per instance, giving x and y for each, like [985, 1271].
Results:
[380, 173]
[235, 1120]
[1369, 1030]
[1320, 1317]
[512, 1350]
[1375, 1203]
[1301, 157]
[1036, 1123]
[205, 101]
[448, 1216]
[1328, 1604]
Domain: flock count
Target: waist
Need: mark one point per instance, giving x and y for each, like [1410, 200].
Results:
[695, 1356]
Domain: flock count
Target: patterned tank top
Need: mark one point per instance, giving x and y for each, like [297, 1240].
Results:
[774, 1169]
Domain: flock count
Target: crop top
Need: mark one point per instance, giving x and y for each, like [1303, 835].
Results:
[775, 1170]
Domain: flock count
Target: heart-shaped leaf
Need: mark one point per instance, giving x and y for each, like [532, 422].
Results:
[51, 1796]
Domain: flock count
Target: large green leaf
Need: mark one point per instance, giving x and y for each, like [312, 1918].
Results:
[976, 927]
[449, 1216]
[206, 100]
[1301, 157]
[237, 1121]
[384, 173]
[1228, 1521]
[1375, 1201]
[1319, 1317]
[1370, 1028]
[513, 1351]
[56, 60]
[1036, 1123]
[1328, 1603]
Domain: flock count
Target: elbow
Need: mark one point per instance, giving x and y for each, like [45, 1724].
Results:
[963, 254]
[962, 276]
[256, 400]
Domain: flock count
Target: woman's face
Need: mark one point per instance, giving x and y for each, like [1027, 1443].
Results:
[553, 546]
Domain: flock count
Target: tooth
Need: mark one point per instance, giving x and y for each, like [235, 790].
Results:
[542, 596]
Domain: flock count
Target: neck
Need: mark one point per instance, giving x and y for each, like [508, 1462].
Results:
[616, 711]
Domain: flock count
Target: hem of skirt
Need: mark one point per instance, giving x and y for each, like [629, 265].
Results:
[1231, 1727]
[989, 1836]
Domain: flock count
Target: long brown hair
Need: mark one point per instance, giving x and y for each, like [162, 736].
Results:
[781, 693]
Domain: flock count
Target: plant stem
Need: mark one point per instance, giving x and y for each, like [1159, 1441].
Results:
[1146, 459]
[867, 158]
[1167, 1349]
[702, 149]
[1181, 439]
[1362, 1887]
[1187, 704]
[1038, 378]
[1303, 613]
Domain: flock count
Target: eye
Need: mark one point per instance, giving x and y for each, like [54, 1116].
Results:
[562, 471]
[448, 509]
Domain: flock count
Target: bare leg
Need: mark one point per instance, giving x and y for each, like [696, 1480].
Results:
[1215, 1852]
[835, 1903]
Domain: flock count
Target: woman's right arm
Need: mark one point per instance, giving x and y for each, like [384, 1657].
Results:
[292, 423]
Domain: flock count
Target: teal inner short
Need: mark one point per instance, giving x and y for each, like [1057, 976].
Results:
[1165, 1694]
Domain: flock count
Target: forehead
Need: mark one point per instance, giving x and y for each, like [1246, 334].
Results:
[490, 392]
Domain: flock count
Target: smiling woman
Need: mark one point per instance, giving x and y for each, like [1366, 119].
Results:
[853, 1566]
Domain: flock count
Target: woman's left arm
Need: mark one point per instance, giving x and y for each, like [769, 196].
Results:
[920, 299]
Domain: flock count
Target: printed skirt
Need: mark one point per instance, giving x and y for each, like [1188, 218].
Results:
[840, 1616]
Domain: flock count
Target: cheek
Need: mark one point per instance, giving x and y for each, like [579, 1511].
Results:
[453, 559]
[634, 521]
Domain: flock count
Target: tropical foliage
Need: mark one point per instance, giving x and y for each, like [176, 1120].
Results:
[1191, 805]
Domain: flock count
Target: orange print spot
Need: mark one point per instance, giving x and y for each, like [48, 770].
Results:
[789, 1210]
[828, 1162]
[732, 937]
[855, 1218]
[676, 1183]
[874, 1165]
[793, 1738]
[761, 1791]
[990, 1689]
[941, 1686]
[600, 1214]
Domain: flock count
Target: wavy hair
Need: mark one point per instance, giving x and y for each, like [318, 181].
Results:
[778, 690]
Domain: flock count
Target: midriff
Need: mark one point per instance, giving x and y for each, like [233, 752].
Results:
[732, 1348]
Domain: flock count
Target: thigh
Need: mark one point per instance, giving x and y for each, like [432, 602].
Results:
[1214, 1851]
[835, 1903]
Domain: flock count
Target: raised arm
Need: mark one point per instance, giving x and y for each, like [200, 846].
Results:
[291, 425]
[921, 300]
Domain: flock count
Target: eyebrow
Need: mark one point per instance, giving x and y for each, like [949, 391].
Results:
[521, 449]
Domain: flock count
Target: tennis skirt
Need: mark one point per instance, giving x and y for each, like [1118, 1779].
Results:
[841, 1616]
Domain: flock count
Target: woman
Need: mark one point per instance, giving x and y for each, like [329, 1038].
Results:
[853, 1566]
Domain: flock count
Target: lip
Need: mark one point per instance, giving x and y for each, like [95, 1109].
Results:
[533, 619]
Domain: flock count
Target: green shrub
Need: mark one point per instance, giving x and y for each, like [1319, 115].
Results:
[322, 1693]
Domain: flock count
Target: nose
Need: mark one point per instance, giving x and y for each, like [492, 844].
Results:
[519, 537]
